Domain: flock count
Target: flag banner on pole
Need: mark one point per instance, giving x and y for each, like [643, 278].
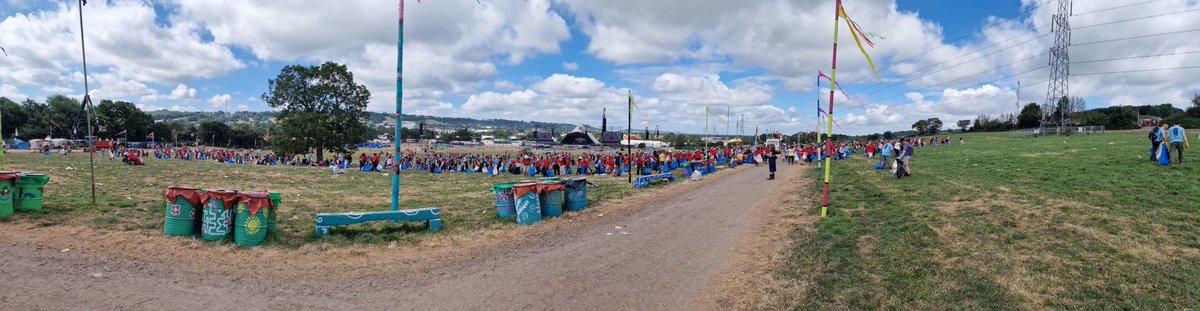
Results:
[267, 136]
[854, 32]
[830, 118]
[151, 136]
[714, 114]
[839, 85]
[55, 124]
[123, 132]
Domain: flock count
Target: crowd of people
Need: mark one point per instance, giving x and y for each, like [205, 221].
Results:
[895, 153]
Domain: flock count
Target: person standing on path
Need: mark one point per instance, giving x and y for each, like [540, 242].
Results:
[1178, 140]
[771, 155]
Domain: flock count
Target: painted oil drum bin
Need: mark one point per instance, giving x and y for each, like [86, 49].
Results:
[8, 191]
[181, 211]
[528, 206]
[250, 219]
[551, 198]
[217, 215]
[273, 211]
[550, 179]
[576, 194]
[29, 192]
[504, 199]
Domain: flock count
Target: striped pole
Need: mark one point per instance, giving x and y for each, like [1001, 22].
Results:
[829, 126]
[399, 100]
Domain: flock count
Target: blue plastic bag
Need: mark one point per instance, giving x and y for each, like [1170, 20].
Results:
[1164, 157]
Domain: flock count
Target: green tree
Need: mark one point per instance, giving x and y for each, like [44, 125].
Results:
[14, 117]
[1031, 116]
[933, 125]
[123, 116]
[921, 126]
[1194, 111]
[321, 108]
[37, 123]
[889, 135]
[65, 112]
[963, 124]
[213, 133]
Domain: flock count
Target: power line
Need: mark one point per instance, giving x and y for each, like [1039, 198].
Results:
[960, 64]
[1137, 37]
[1136, 18]
[1138, 70]
[1117, 7]
[952, 42]
[1132, 57]
[1003, 78]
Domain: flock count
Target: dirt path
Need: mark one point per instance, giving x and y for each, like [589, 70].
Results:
[662, 256]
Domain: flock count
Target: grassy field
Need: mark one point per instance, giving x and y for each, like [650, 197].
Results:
[130, 198]
[1081, 222]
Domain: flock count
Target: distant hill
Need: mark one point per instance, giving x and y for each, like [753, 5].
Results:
[374, 118]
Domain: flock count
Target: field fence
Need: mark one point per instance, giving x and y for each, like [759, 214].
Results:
[1066, 131]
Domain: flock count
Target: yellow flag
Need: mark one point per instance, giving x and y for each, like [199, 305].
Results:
[709, 111]
[849, 23]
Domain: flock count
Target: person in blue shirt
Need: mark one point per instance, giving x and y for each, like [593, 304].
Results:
[1156, 139]
[908, 153]
[1178, 140]
[886, 153]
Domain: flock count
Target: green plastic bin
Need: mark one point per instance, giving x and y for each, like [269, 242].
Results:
[29, 191]
[250, 224]
[8, 191]
[181, 212]
[217, 216]
[505, 206]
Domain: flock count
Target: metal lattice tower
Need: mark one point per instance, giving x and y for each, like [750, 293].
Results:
[1060, 67]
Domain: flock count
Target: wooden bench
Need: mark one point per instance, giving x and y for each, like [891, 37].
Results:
[645, 181]
[428, 215]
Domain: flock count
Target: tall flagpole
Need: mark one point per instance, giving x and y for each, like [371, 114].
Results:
[829, 125]
[87, 103]
[399, 101]
[629, 138]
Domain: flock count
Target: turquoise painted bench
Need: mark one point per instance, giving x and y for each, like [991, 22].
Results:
[428, 215]
[645, 181]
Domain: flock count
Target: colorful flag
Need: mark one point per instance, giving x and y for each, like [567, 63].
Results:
[839, 85]
[267, 136]
[55, 124]
[856, 33]
[756, 135]
[151, 136]
[709, 111]
[123, 132]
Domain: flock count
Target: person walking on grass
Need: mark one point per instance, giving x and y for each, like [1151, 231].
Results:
[907, 154]
[1156, 139]
[1178, 140]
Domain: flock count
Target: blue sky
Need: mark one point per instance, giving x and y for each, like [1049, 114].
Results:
[565, 61]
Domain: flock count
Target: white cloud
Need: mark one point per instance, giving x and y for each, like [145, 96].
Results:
[506, 85]
[709, 89]
[182, 92]
[450, 47]
[220, 102]
[570, 66]
[11, 92]
[123, 37]
[562, 85]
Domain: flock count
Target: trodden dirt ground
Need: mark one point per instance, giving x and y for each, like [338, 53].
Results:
[688, 248]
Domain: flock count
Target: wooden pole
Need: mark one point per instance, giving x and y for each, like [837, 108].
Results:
[399, 100]
[829, 125]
